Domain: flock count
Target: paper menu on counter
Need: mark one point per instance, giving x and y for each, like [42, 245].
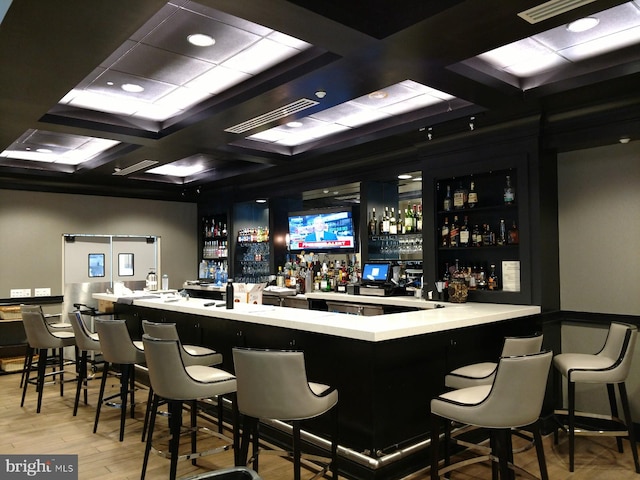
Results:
[511, 276]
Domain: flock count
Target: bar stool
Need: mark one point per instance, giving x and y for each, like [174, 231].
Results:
[273, 385]
[483, 373]
[176, 383]
[118, 350]
[610, 366]
[513, 400]
[52, 325]
[86, 342]
[191, 355]
[41, 339]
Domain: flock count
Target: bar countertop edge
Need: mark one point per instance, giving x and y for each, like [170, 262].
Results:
[376, 328]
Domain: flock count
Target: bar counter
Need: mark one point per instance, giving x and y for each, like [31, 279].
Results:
[386, 367]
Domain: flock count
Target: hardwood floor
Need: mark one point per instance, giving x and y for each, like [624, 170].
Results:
[102, 457]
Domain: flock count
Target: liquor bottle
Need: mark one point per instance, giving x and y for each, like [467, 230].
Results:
[502, 233]
[493, 282]
[476, 236]
[487, 236]
[384, 222]
[465, 233]
[481, 281]
[418, 219]
[393, 224]
[513, 236]
[408, 220]
[509, 192]
[454, 233]
[373, 224]
[444, 233]
[280, 278]
[448, 201]
[473, 277]
[460, 197]
[472, 198]
[446, 278]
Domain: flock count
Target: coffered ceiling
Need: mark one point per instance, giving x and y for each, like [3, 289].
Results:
[160, 99]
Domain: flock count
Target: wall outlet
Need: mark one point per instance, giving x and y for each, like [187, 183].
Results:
[20, 292]
[42, 292]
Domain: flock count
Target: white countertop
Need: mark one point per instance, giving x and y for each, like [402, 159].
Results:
[373, 329]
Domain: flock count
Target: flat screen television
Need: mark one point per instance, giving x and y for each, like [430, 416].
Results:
[322, 230]
[376, 273]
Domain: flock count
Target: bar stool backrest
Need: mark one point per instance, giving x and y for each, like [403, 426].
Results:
[164, 331]
[514, 346]
[116, 343]
[273, 384]
[38, 335]
[84, 341]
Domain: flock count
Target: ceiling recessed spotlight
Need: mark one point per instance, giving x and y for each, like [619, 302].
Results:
[378, 95]
[404, 176]
[583, 24]
[417, 179]
[201, 40]
[261, 200]
[294, 124]
[624, 140]
[43, 150]
[325, 191]
[110, 84]
[132, 88]
[321, 93]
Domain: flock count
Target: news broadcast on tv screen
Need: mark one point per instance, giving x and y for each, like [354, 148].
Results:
[320, 231]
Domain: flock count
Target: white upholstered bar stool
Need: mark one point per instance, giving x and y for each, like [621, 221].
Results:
[121, 357]
[176, 383]
[191, 355]
[609, 367]
[41, 340]
[513, 400]
[86, 342]
[52, 325]
[273, 385]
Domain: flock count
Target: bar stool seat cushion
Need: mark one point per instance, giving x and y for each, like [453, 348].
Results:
[203, 373]
[470, 375]
[586, 368]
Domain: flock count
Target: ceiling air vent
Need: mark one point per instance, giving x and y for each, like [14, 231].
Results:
[551, 9]
[276, 114]
[135, 167]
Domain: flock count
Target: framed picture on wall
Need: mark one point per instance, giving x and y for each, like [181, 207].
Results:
[96, 265]
[125, 264]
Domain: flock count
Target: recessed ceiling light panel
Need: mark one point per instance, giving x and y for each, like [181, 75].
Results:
[201, 40]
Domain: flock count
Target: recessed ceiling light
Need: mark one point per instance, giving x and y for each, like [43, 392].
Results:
[43, 150]
[583, 24]
[110, 84]
[294, 124]
[378, 95]
[201, 40]
[624, 140]
[132, 88]
[261, 200]
[404, 176]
